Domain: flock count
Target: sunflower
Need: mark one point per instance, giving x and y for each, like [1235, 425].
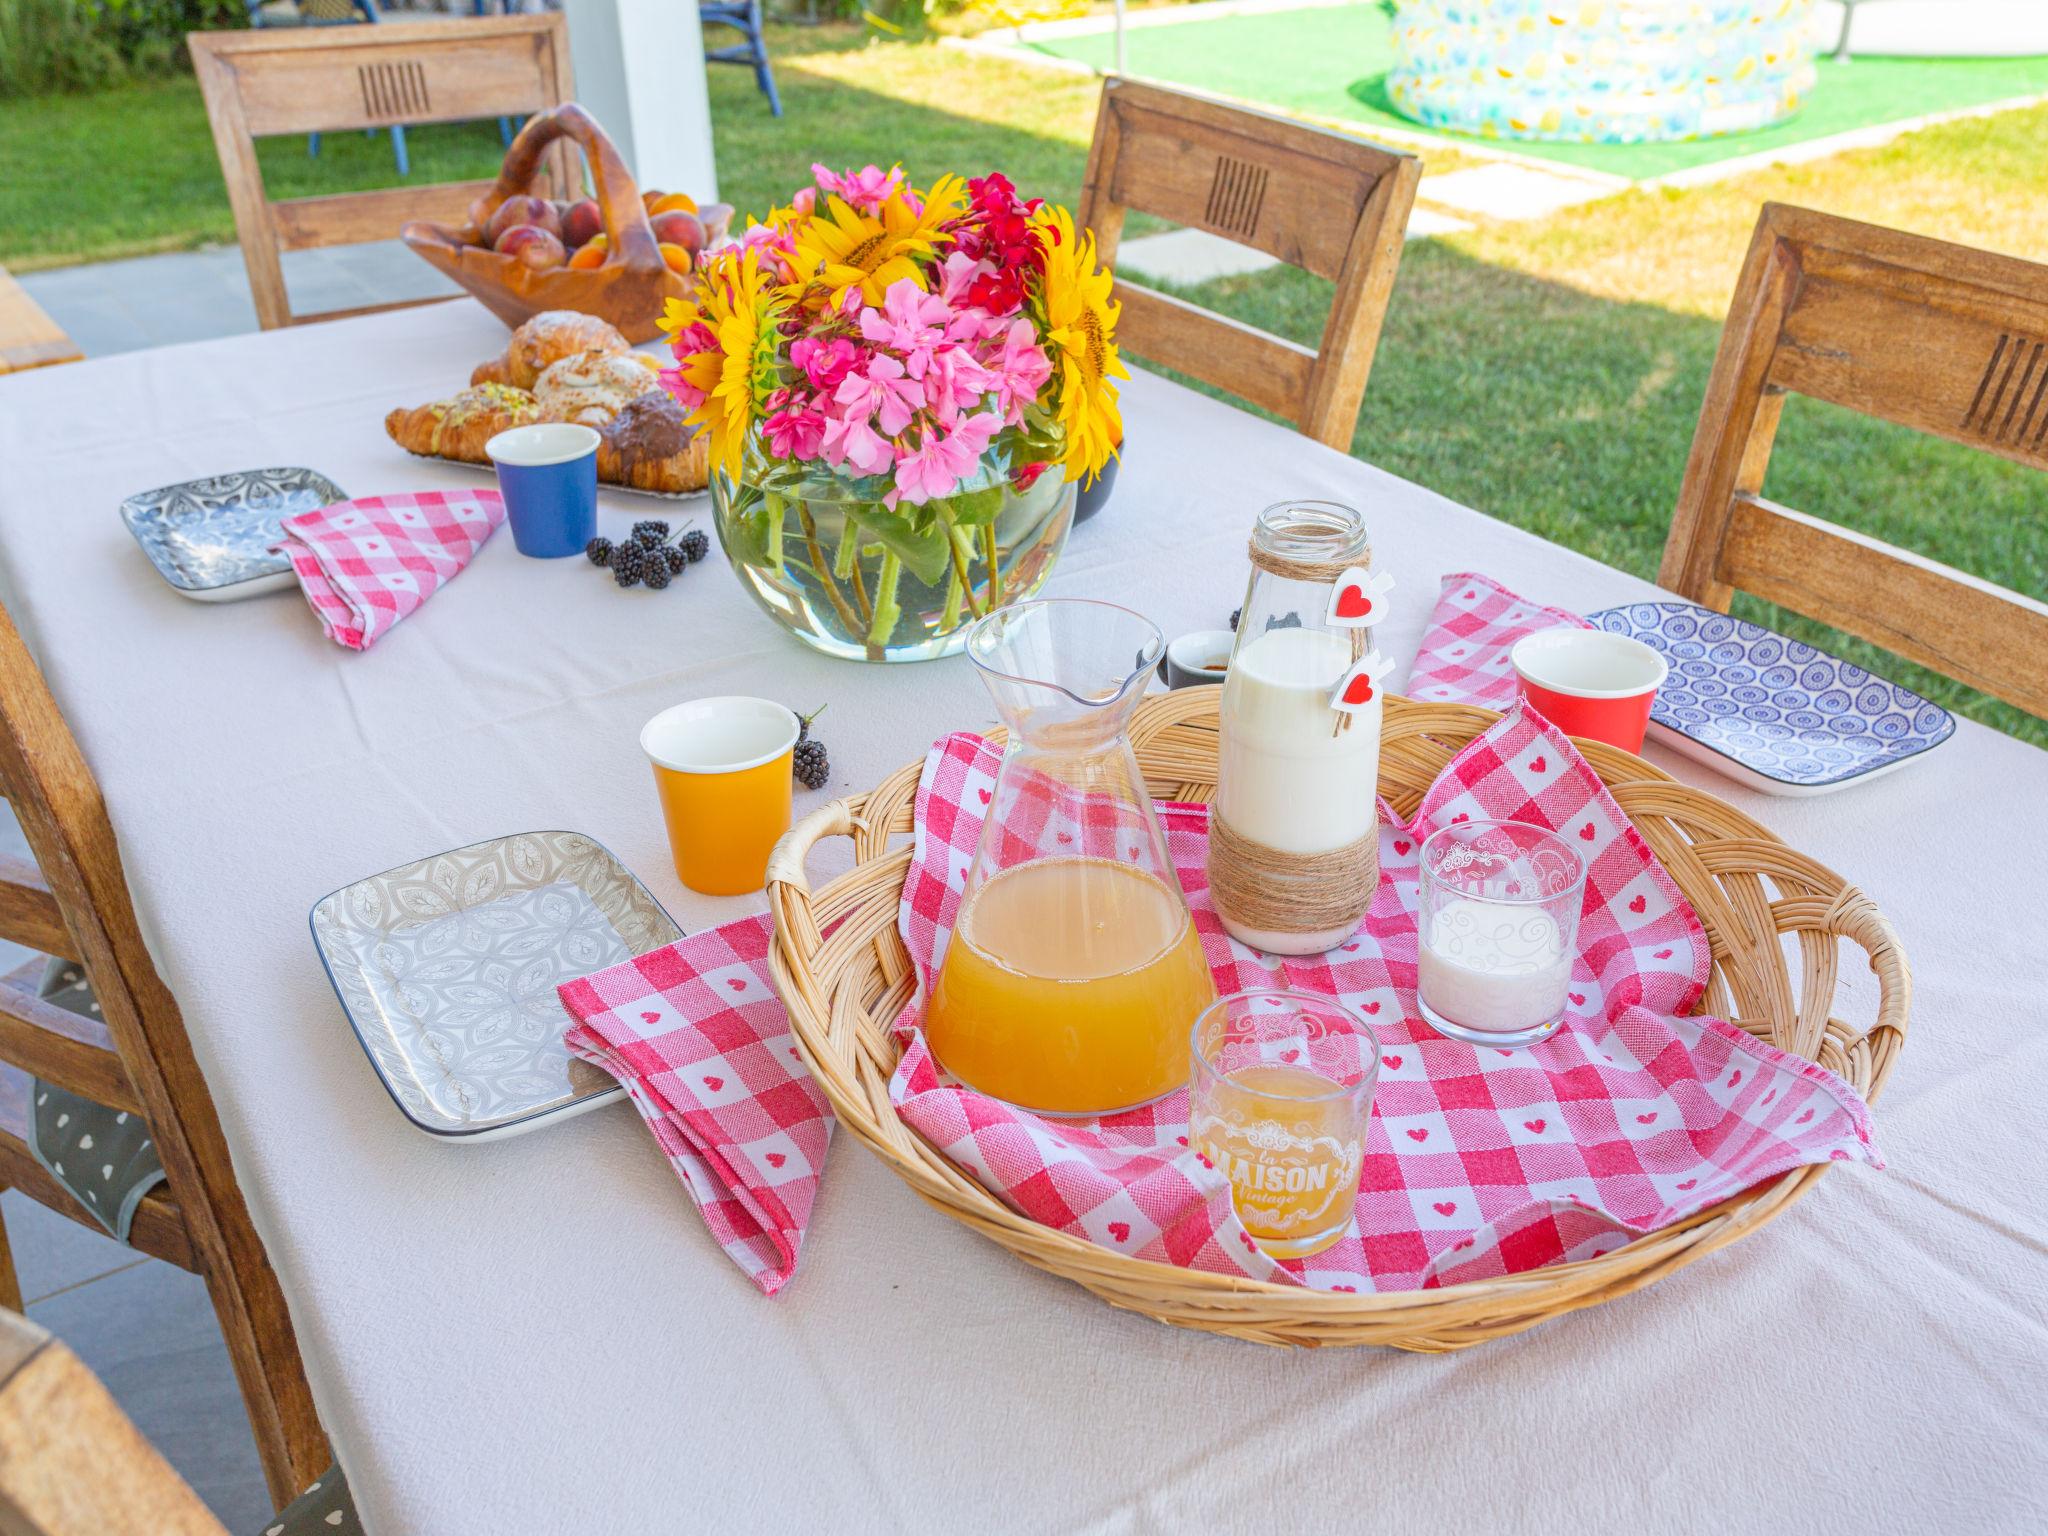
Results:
[1080, 335]
[840, 248]
[733, 301]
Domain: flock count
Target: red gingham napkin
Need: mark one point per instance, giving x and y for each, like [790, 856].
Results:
[699, 1039]
[366, 564]
[1479, 1161]
[1464, 654]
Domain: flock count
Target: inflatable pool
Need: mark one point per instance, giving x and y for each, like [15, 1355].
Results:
[1601, 71]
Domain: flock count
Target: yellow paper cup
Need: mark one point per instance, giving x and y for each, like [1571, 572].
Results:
[722, 768]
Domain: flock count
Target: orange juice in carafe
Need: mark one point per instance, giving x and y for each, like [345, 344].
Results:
[1069, 987]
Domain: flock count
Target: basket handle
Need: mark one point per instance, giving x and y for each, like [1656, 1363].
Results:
[618, 196]
[786, 863]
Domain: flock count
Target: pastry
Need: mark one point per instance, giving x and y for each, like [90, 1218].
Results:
[649, 447]
[458, 428]
[548, 337]
[593, 387]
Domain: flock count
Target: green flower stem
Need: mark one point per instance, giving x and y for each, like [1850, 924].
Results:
[887, 610]
[777, 509]
[821, 566]
[956, 591]
[849, 549]
[995, 567]
[954, 539]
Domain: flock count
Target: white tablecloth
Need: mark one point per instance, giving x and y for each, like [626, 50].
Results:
[537, 1335]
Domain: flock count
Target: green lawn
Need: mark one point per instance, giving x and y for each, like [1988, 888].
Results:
[1548, 373]
[1333, 63]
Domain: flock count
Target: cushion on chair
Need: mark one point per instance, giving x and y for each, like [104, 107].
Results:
[105, 1157]
[321, 1510]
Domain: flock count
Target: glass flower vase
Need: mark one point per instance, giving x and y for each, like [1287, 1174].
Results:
[849, 575]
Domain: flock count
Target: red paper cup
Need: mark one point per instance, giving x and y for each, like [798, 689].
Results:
[1588, 682]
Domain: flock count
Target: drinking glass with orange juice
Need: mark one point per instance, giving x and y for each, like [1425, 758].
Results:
[1279, 1102]
[1074, 972]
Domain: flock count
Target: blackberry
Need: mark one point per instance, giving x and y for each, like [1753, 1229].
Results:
[810, 764]
[649, 531]
[656, 573]
[598, 551]
[1235, 615]
[694, 544]
[629, 563]
[676, 561]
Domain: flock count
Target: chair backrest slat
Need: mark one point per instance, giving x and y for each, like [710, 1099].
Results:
[1330, 204]
[277, 80]
[1950, 341]
[29, 914]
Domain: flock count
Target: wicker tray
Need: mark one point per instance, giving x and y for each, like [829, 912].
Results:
[1749, 888]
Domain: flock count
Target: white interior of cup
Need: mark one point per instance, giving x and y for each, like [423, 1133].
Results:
[1194, 651]
[547, 442]
[1587, 663]
[719, 735]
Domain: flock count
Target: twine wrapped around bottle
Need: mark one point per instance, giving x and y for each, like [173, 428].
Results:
[1268, 889]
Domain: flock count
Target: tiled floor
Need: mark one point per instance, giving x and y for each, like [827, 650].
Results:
[146, 1328]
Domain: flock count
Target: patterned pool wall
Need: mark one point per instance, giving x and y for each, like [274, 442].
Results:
[1601, 71]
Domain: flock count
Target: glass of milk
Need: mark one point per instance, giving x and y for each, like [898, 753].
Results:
[1497, 931]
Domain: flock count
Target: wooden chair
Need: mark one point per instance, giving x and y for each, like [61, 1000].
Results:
[135, 1057]
[1322, 201]
[29, 338]
[1938, 337]
[305, 80]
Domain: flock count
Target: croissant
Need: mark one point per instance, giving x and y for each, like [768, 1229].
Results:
[548, 337]
[649, 447]
[593, 387]
[458, 428]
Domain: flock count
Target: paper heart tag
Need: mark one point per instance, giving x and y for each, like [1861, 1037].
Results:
[1359, 686]
[1358, 598]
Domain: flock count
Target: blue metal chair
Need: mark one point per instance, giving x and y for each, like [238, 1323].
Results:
[744, 16]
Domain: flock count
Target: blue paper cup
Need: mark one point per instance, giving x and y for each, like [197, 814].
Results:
[548, 474]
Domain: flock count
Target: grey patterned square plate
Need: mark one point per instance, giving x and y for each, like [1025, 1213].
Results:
[1774, 714]
[447, 969]
[210, 539]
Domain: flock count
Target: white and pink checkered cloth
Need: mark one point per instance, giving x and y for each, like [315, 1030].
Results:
[366, 564]
[1464, 654]
[700, 1040]
[1479, 1162]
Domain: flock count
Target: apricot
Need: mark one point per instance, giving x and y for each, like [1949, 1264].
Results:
[679, 228]
[673, 202]
[589, 256]
[533, 246]
[514, 211]
[650, 197]
[581, 223]
[678, 259]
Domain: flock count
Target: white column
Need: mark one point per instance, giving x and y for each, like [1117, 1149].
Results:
[640, 72]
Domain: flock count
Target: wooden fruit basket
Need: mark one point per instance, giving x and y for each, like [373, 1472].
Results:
[631, 286]
[844, 975]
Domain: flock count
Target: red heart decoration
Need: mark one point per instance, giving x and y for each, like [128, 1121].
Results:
[1470, 595]
[1734, 1080]
[1838, 1155]
[650, 1018]
[1203, 1159]
[1393, 1063]
[1688, 1184]
[1662, 954]
[1535, 1125]
[1646, 1119]
[794, 1055]
[1290, 1055]
[1578, 999]
[1400, 846]
[1352, 603]
[1246, 1239]
[1638, 905]
[1467, 1243]
[1120, 1230]
[1538, 764]
[984, 795]
[1066, 837]
[1182, 1140]
[1418, 1135]
[1770, 1096]
[737, 983]
[1804, 1118]
[1445, 1207]
[1371, 1007]
[714, 1083]
[1586, 832]
[776, 1159]
[1358, 690]
[1354, 1288]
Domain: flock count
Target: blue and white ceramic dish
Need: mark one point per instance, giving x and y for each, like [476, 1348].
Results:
[1774, 714]
[210, 539]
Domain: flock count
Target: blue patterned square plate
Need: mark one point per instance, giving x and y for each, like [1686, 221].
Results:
[210, 539]
[1774, 714]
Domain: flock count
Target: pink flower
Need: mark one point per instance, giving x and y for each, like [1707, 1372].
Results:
[1019, 369]
[914, 323]
[795, 433]
[957, 275]
[851, 440]
[939, 463]
[806, 201]
[866, 189]
[881, 389]
[824, 363]
[955, 382]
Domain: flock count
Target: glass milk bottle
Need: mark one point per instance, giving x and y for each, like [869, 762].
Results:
[1294, 840]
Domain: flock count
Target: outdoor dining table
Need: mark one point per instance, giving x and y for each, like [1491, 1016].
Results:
[537, 1334]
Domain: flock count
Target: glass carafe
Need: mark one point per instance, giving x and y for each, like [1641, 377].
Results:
[1073, 975]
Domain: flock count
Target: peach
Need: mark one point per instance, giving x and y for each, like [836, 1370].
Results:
[537, 211]
[583, 221]
[679, 228]
[533, 246]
